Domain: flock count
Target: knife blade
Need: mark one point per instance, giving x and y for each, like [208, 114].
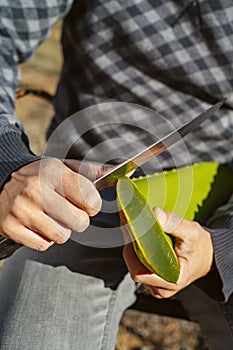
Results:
[124, 168]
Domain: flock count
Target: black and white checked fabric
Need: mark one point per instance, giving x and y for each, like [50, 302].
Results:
[174, 57]
[23, 26]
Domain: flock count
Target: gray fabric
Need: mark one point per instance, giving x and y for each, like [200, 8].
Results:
[14, 152]
[53, 306]
[220, 226]
[49, 303]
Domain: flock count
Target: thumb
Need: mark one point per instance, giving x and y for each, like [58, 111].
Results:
[172, 223]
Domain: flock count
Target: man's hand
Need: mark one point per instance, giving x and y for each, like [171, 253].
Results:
[193, 247]
[45, 200]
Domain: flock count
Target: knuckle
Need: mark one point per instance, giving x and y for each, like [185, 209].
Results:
[51, 169]
[21, 209]
[16, 207]
[6, 227]
[31, 188]
[196, 227]
[50, 163]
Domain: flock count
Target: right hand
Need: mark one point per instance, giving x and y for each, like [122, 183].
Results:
[193, 247]
[45, 201]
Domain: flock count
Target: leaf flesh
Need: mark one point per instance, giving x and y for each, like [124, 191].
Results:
[151, 244]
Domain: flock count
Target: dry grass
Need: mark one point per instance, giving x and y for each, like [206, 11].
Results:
[138, 330]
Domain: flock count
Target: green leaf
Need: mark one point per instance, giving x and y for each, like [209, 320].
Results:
[151, 244]
[181, 191]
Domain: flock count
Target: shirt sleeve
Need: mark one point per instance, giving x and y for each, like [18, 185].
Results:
[218, 284]
[23, 26]
[221, 228]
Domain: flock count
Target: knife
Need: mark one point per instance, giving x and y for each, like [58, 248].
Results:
[124, 168]
[8, 247]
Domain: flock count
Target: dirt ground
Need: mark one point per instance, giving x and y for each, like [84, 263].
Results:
[138, 330]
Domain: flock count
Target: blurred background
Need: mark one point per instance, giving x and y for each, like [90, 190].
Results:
[138, 330]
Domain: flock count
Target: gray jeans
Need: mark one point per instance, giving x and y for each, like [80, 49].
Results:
[72, 298]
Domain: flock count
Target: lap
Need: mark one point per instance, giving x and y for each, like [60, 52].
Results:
[73, 295]
[47, 302]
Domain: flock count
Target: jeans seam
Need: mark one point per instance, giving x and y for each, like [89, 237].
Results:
[108, 321]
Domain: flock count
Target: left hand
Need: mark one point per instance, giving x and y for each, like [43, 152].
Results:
[193, 247]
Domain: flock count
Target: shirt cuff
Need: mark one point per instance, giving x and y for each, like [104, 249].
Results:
[14, 153]
[223, 251]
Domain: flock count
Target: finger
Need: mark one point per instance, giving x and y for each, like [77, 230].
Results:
[159, 293]
[135, 267]
[154, 292]
[91, 170]
[140, 273]
[64, 211]
[81, 191]
[77, 188]
[125, 233]
[47, 227]
[174, 224]
[32, 217]
[126, 236]
[22, 235]
[153, 280]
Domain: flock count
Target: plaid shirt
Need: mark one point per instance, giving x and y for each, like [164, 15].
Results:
[174, 57]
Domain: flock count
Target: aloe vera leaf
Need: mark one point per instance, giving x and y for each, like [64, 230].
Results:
[221, 191]
[181, 191]
[151, 244]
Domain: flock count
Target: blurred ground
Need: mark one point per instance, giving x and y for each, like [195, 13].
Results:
[138, 330]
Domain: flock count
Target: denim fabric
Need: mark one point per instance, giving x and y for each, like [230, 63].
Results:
[47, 305]
[47, 302]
